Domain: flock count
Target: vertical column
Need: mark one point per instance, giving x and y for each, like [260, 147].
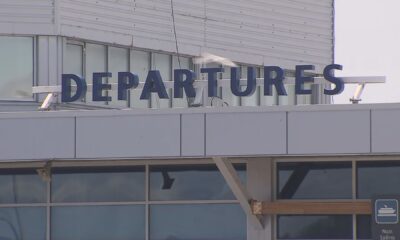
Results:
[259, 187]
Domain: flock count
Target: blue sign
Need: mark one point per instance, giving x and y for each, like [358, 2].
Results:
[386, 211]
[184, 79]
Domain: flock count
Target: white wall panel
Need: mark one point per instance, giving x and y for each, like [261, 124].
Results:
[37, 138]
[231, 133]
[329, 132]
[385, 131]
[128, 136]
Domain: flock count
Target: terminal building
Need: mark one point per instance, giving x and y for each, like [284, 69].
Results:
[211, 168]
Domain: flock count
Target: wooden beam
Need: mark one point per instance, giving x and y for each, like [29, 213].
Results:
[312, 207]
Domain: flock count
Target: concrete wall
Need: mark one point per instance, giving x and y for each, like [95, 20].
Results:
[203, 132]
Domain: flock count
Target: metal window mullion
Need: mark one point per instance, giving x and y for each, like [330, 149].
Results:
[147, 207]
[187, 202]
[73, 204]
[48, 211]
[354, 194]
[274, 188]
[107, 67]
[35, 66]
[21, 205]
[128, 97]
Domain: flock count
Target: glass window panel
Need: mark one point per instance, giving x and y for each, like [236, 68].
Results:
[140, 65]
[304, 99]
[315, 227]
[28, 223]
[191, 182]
[98, 185]
[162, 63]
[95, 62]
[194, 222]
[16, 67]
[290, 99]
[117, 62]
[98, 222]
[378, 178]
[227, 95]
[314, 180]
[364, 227]
[73, 63]
[253, 99]
[185, 64]
[21, 186]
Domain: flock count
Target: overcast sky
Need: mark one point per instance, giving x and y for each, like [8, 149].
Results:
[368, 43]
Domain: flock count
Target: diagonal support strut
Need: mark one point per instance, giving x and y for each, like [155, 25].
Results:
[229, 173]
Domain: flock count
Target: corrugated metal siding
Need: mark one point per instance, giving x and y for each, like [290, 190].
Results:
[27, 16]
[279, 32]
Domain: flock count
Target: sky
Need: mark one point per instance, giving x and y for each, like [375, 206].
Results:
[367, 38]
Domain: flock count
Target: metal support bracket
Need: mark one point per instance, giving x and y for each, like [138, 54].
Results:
[229, 173]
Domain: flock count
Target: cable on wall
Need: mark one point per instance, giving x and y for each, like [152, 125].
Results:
[174, 27]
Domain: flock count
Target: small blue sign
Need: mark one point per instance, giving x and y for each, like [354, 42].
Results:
[386, 211]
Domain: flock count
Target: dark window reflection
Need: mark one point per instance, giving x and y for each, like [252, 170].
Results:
[194, 222]
[311, 180]
[364, 227]
[315, 227]
[98, 185]
[98, 223]
[191, 182]
[21, 186]
[28, 223]
[378, 178]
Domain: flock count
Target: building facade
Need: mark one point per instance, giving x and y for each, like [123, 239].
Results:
[160, 169]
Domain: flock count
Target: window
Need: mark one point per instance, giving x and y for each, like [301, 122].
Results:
[377, 178]
[98, 185]
[95, 62]
[140, 65]
[200, 221]
[184, 64]
[124, 222]
[364, 227]
[16, 67]
[74, 59]
[332, 181]
[253, 99]
[25, 192]
[194, 182]
[315, 227]
[199, 217]
[117, 62]
[120, 202]
[315, 180]
[162, 63]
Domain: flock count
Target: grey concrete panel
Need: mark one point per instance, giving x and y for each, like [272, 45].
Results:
[37, 138]
[246, 133]
[329, 132]
[128, 136]
[385, 131]
[193, 134]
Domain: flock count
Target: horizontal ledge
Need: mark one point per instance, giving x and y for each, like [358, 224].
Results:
[312, 207]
